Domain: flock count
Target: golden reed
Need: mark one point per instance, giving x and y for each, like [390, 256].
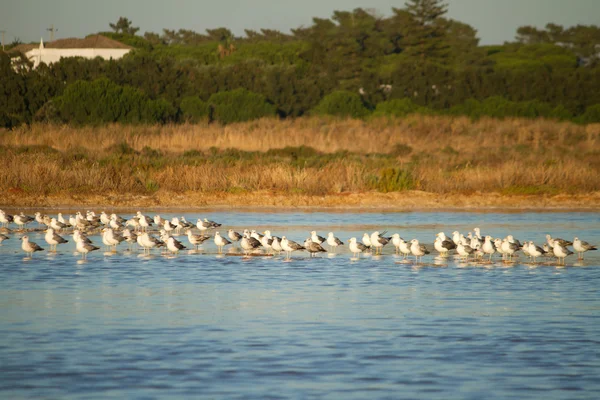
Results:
[433, 154]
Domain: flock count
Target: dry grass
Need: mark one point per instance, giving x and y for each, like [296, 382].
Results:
[422, 133]
[442, 155]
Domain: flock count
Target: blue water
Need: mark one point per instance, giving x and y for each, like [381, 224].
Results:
[203, 325]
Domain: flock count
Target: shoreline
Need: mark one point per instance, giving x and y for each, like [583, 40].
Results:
[264, 200]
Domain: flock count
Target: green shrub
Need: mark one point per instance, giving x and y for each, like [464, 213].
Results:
[591, 115]
[239, 105]
[394, 180]
[102, 101]
[499, 107]
[194, 109]
[396, 108]
[159, 110]
[561, 113]
[342, 103]
[470, 107]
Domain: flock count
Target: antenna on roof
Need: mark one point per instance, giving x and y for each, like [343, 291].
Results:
[52, 29]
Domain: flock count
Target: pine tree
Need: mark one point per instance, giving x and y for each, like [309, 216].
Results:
[425, 34]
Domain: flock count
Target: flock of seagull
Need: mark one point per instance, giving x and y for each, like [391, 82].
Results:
[115, 230]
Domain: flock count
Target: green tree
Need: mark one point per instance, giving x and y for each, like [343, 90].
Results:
[194, 109]
[426, 34]
[123, 25]
[342, 103]
[239, 105]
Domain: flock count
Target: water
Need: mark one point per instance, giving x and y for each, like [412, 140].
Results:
[200, 325]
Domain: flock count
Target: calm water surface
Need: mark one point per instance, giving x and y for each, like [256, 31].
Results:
[200, 325]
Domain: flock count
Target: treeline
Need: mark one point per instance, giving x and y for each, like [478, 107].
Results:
[354, 64]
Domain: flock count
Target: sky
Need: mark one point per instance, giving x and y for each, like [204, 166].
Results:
[495, 20]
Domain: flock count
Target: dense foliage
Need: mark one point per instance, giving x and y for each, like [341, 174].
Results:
[354, 64]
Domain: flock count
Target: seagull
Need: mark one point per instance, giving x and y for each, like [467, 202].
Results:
[61, 219]
[72, 221]
[535, 251]
[85, 248]
[53, 239]
[92, 217]
[111, 239]
[276, 244]
[562, 242]
[184, 224]
[418, 250]
[313, 247]
[174, 245]
[203, 225]
[356, 247]
[149, 242]
[129, 236]
[114, 222]
[266, 240]
[511, 239]
[509, 248]
[442, 236]
[581, 247]
[29, 247]
[488, 247]
[80, 237]
[249, 243]
[22, 220]
[163, 235]
[316, 238]
[404, 248]
[478, 233]
[443, 246]
[366, 239]
[221, 242]
[168, 227]
[56, 225]
[134, 223]
[464, 251]
[234, 236]
[560, 251]
[478, 251]
[396, 240]
[547, 249]
[158, 220]
[196, 240]
[144, 221]
[475, 242]
[333, 242]
[176, 224]
[498, 247]
[5, 218]
[213, 223]
[255, 235]
[289, 246]
[104, 218]
[378, 242]
[456, 236]
[525, 250]
[39, 219]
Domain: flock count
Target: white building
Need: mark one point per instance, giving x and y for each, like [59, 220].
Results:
[90, 47]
